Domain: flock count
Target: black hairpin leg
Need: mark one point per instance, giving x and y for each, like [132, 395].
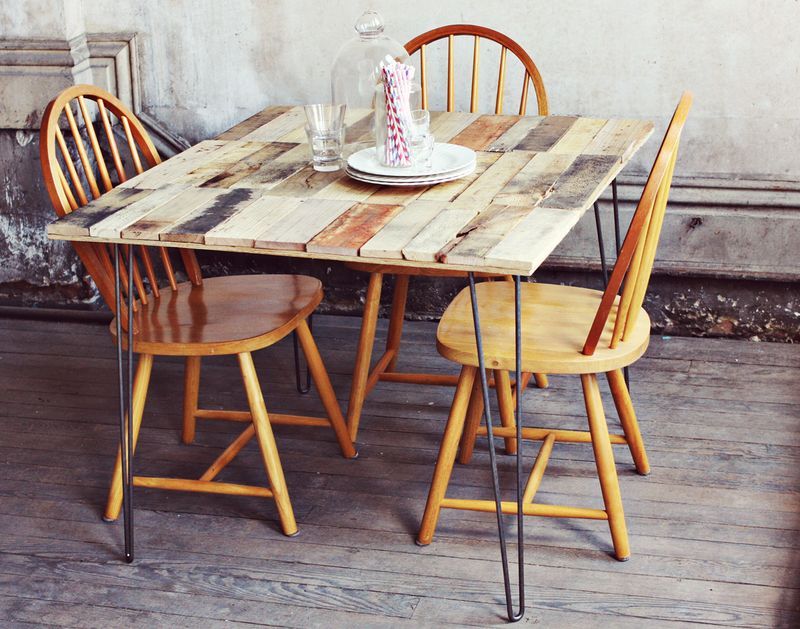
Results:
[600, 243]
[125, 401]
[618, 243]
[512, 616]
[300, 388]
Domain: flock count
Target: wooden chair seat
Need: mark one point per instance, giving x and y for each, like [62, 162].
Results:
[555, 319]
[224, 315]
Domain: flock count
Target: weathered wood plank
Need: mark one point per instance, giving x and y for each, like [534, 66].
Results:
[253, 122]
[79, 222]
[111, 226]
[535, 180]
[401, 229]
[149, 227]
[271, 173]
[582, 182]
[240, 229]
[443, 228]
[620, 138]
[488, 229]
[307, 220]
[445, 127]
[579, 135]
[194, 226]
[450, 190]
[533, 239]
[178, 165]
[480, 134]
[493, 180]
[278, 127]
[514, 135]
[345, 235]
[546, 134]
[235, 152]
[236, 170]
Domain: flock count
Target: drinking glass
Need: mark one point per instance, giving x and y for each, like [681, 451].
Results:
[422, 141]
[325, 131]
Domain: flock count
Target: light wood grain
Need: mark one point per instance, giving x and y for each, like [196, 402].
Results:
[307, 220]
[241, 228]
[161, 218]
[111, 226]
[390, 241]
[445, 226]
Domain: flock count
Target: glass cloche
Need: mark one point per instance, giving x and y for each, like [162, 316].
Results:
[355, 69]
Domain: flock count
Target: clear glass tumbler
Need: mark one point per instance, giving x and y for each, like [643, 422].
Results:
[325, 131]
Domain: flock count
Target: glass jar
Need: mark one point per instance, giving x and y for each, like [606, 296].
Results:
[355, 70]
[380, 127]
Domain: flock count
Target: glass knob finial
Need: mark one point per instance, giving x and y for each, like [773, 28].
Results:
[369, 24]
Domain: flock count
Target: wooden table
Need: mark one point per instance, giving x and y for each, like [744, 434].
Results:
[252, 190]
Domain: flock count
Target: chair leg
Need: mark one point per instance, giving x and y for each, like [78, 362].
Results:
[627, 417]
[541, 380]
[447, 455]
[191, 391]
[266, 442]
[397, 317]
[505, 401]
[471, 424]
[358, 390]
[326, 392]
[139, 393]
[606, 469]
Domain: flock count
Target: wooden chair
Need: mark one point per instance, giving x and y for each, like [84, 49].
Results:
[385, 368]
[572, 331]
[200, 317]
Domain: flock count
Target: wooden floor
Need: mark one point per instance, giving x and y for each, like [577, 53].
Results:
[714, 529]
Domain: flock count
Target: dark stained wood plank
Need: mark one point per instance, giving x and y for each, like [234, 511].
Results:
[535, 180]
[193, 227]
[271, 173]
[351, 230]
[584, 180]
[78, 223]
[546, 134]
[484, 131]
[247, 166]
[259, 119]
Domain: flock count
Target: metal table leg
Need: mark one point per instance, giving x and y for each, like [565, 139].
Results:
[512, 616]
[125, 400]
[302, 390]
[600, 243]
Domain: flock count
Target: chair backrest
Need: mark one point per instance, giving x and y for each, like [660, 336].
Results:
[635, 261]
[452, 31]
[73, 178]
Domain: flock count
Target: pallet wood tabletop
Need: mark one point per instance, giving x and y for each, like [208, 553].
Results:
[253, 190]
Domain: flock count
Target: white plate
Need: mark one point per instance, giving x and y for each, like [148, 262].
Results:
[411, 181]
[446, 158]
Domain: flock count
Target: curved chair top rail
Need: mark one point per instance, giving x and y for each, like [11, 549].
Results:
[634, 264]
[532, 75]
[87, 164]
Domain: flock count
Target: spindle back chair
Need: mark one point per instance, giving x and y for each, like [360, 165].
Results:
[571, 331]
[224, 315]
[86, 104]
[385, 368]
[478, 33]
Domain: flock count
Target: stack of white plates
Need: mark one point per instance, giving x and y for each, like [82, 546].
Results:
[448, 162]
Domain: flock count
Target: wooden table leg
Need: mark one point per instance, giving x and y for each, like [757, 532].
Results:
[358, 389]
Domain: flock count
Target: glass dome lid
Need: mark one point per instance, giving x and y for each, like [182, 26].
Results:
[355, 69]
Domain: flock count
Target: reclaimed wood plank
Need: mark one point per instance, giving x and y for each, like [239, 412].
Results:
[514, 135]
[193, 226]
[273, 172]
[582, 182]
[546, 134]
[177, 165]
[343, 188]
[400, 230]
[79, 222]
[219, 161]
[304, 182]
[483, 233]
[149, 227]
[309, 218]
[252, 123]
[111, 226]
[620, 138]
[278, 127]
[533, 239]
[449, 190]
[346, 235]
[235, 170]
[445, 226]
[241, 228]
[481, 133]
[579, 135]
[494, 179]
[535, 180]
[448, 125]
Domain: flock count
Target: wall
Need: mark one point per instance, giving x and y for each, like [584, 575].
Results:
[205, 65]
